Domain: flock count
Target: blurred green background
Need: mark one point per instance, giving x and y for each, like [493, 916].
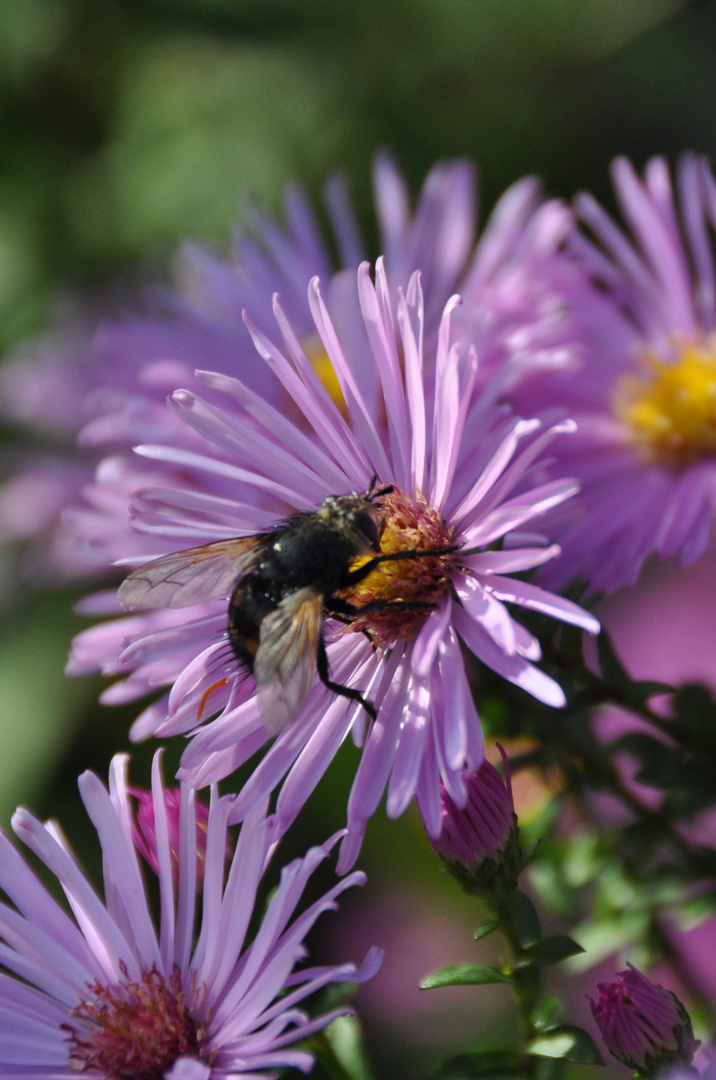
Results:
[126, 125]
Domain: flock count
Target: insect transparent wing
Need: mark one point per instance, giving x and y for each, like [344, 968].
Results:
[188, 577]
[285, 663]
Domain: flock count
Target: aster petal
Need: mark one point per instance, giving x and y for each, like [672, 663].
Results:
[360, 414]
[189, 460]
[536, 599]
[102, 933]
[450, 409]
[380, 748]
[427, 792]
[513, 513]
[410, 324]
[186, 899]
[492, 616]
[257, 451]
[345, 227]
[125, 895]
[272, 419]
[657, 235]
[513, 668]
[513, 561]
[429, 640]
[76, 960]
[388, 367]
[411, 745]
[694, 181]
[460, 740]
[320, 749]
[504, 452]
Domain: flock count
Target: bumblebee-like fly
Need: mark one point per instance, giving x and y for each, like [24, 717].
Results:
[281, 584]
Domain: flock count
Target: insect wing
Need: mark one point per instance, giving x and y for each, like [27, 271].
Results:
[285, 664]
[188, 577]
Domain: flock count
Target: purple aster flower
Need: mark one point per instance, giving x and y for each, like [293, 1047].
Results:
[447, 475]
[105, 991]
[104, 385]
[644, 394]
[643, 1025]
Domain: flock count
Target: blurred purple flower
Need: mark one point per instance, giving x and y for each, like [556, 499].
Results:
[106, 387]
[107, 993]
[644, 394]
[643, 1025]
[454, 484]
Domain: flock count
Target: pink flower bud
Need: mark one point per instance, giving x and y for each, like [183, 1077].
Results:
[478, 841]
[144, 829]
[642, 1024]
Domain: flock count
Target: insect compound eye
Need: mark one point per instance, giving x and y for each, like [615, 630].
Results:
[367, 524]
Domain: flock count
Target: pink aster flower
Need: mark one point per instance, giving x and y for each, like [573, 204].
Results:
[454, 478]
[643, 1025]
[644, 395]
[104, 990]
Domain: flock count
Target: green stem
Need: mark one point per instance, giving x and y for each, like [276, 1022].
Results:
[526, 980]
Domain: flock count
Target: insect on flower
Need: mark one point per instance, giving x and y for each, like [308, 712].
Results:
[281, 584]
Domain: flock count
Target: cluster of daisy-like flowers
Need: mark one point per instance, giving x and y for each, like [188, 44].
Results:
[439, 392]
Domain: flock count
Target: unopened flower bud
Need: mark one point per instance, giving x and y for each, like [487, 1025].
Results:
[643, 1025]
[144, 829]
[479, 841]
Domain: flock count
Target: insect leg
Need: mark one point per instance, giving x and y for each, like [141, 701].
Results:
[355, 576]
[343, 691]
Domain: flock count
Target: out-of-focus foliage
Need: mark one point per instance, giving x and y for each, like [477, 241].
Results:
[127, 124]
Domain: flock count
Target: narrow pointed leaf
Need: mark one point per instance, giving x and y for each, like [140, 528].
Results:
[568, 1042]
[527, 920]
[551, 950]
[488, 927]
[464, 975]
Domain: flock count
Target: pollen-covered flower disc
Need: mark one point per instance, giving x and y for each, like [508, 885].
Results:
[449, 476]
[644, 394]
[107, 992]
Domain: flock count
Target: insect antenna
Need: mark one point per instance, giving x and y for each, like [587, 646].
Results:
[372, 494]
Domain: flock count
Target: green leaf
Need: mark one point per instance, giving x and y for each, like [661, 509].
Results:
[488, 927]
[610, 665]
[551, 950]
[343, 1052]
[464, 975]
[526, 920]
[483, 1064]
[547, 1014]
[643, 689]
[568, 1042]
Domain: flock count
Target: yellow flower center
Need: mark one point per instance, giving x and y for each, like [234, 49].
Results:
[320, 362]
[670, 407]
[403, 592]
